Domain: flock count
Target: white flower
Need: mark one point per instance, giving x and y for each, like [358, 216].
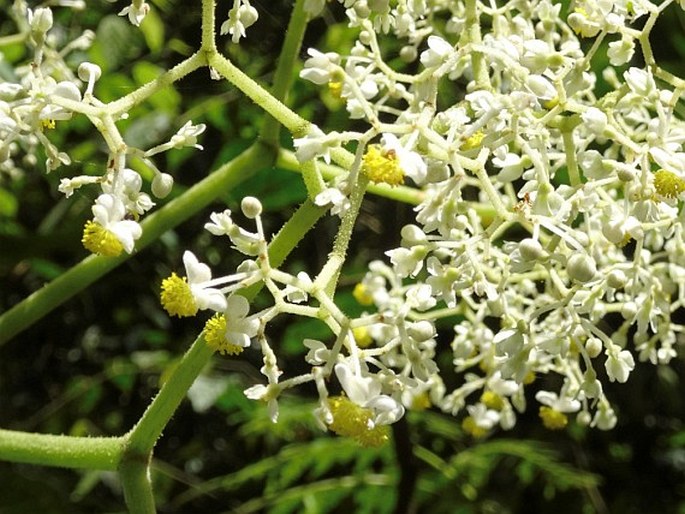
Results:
[482, 416]
[619, 365]
[135, 14]
[365, 391]
[240, 18]
[640, 82]
[438, 51]
[187, 135]
[315, 144]
[595, 120]
[318, 353]
[320, 66]
[109, 212]
[221, 224]
[239, 328]
[558, 403]
[333, 196]
[267, 394]
[411, 163]
[621, 51]
[199, 279]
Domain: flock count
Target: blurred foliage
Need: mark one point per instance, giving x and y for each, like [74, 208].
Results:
[92, 366]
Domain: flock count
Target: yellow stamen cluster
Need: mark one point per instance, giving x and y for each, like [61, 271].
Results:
[362, 337]
[668, 184]
[351, 420]
[492, 400]
[473, 141]
[215, 336]
[177, 298]
[362, 295]
[97, 239]
[470, 427]
[48, 124]
[382, 166]
[553, 419]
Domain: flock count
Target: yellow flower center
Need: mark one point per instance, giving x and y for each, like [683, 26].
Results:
[177, 298]
[470, 427]
[215, 336]
[335, 88]
[421, 402]
[382, 166]
[492, 400]
[362, 337]
[668, 184]
[97, 239]
[362, 295]
[48, 124]
[473, 141]
[351, 420]
[553, 419]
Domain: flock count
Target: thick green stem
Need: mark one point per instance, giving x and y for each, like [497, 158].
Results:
[283, 78]
[30, 310]
[142, 437]
[208, 21]
[137, 486]
[61, 450]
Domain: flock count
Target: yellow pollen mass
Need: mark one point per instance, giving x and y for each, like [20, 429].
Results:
[553, 419]
[380, 166]
[470, 427]
[668, 184]
[421, 402]
[362, 295]
[351, 420]
[215, 336]
[177, 298]
[335, 88]
[362, 337]
[48, 124]
[97, 239]
[492, 400]
[473, 141]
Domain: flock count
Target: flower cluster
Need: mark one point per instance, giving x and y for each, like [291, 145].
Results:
[550, 235]
[48, 92]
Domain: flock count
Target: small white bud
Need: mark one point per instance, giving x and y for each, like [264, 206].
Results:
[88, 71]
[581, 267]
[531, 250]
[162, 184]
[251, 207]
[593, 347]
[616, 279]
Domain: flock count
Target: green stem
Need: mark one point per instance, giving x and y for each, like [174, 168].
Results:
[27, 312]
[283, 77]
[125, 103]
[286, 160]
[61, 450]
[294, 123]
[571, 162]
[135, 481]
[143, 436]
[208, 22]
[328, 278]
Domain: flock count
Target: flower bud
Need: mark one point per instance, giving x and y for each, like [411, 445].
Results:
[593, 347]
[162, 184]
[88, 71]
[616, 279]
[581, 267]
[251, 207]
[531, 250]
[41, 20]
